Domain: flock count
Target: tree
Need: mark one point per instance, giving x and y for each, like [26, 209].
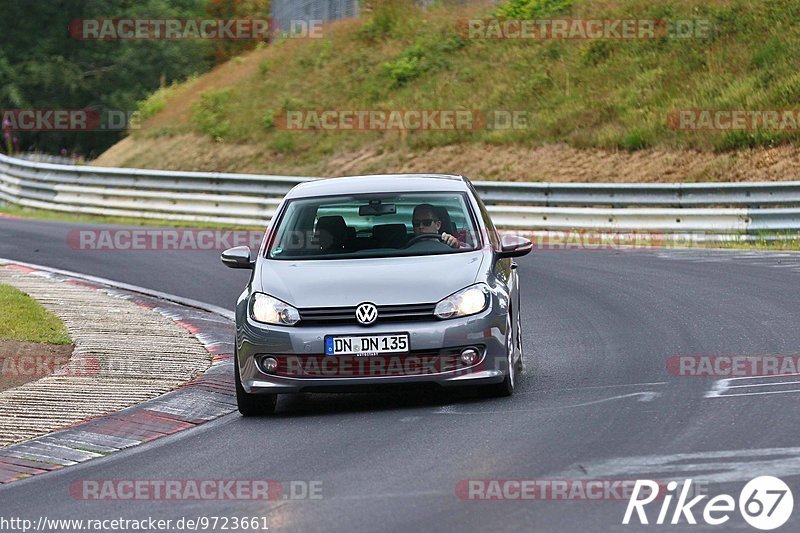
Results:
[43, 67]
[235, 9]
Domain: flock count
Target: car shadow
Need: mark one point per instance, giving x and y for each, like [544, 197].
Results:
[315, 404]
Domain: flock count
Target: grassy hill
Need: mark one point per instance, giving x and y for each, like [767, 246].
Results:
[590, 103]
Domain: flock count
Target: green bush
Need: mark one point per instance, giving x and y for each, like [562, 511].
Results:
[282, 142]
[425, 55]
[157, 100]
[635, 139]
[153, 104]
[386, 17]
[742, 140]
[597, 52]
[769, 54]
[404, 69]
[268, 119]
[209, 113]
[533, 8]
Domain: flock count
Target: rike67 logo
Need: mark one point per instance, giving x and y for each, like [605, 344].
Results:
[765, 503]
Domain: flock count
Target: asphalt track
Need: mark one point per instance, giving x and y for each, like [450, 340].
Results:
[596, 402]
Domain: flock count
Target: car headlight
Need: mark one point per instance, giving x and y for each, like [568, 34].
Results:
[465, 302]
[270, 310]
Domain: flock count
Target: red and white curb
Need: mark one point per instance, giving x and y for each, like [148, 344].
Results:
[205, 398]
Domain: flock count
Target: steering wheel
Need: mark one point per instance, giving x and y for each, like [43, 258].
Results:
[423, 236]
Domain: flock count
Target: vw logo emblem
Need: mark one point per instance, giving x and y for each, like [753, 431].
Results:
[366, 314]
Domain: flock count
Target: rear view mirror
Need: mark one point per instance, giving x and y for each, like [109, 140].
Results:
[238, 257]
[514, 246]
[375, 208]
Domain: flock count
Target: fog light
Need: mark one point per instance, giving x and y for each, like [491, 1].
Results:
[469, 356]
[269, 364]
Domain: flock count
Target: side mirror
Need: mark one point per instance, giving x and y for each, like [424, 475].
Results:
[238, 257]
[514, 246]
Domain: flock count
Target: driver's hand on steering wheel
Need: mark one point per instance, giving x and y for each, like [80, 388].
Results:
[449, 240]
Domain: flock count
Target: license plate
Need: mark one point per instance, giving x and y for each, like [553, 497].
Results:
[366, 344]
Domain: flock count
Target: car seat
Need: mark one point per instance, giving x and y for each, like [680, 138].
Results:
[389, 235]
[331, 233]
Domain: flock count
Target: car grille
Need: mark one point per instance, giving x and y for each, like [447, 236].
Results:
[310, 316]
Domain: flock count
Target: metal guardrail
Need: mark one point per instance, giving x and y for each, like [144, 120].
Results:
[252, 199]
[753, 194]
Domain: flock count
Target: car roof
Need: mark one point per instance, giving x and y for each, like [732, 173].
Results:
[377, 183]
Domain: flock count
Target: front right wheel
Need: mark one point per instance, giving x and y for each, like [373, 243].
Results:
[252, 404]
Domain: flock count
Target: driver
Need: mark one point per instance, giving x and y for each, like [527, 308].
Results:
[425, 221]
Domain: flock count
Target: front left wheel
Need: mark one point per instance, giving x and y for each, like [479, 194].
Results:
[252, 404]
[506, 387]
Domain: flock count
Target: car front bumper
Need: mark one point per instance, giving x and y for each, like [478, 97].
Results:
[427, 339]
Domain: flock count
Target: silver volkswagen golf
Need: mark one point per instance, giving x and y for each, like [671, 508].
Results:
[374, 282]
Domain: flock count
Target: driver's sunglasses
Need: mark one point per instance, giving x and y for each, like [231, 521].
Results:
[423, 222]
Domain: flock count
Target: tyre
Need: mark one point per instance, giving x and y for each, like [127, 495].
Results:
[520, 364]
[252, 404]
[506, 387]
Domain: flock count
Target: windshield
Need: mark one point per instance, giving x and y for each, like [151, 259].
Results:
[375, 225]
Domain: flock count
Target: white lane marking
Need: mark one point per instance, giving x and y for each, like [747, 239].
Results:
[736, 465]
[647, 396]
[756, 393]
[643, 397]
[765, 384]
[754, 258]
[767, 376]
[591, 387]
[721, 386]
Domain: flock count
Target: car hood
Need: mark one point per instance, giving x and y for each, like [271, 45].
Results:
[383, 281]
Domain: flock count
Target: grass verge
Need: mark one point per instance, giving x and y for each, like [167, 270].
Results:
[23, 319]
[44, 214]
